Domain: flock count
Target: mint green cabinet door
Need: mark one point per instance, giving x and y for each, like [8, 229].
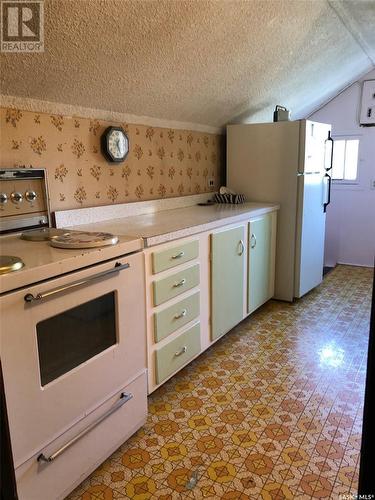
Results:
[260, 261]
[227, 279]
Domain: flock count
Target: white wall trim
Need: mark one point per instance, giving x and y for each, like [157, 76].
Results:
[40, 106]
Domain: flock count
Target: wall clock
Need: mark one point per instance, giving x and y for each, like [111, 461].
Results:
[115, 144]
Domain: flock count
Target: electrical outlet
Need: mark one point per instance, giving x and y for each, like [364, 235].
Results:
[210, 183]
[372, 185]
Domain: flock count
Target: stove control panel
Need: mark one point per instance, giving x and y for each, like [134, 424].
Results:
[17, 197]
[23, 198]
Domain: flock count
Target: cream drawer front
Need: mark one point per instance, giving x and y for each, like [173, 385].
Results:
[37, 480]
[176, 316]
[177, 283]
[177, 353]
[166, 259]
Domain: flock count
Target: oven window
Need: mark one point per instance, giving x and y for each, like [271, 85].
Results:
[74, 336]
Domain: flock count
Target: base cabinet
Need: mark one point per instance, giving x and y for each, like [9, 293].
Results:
[200, 287]
[227, 279]
[261, 260]
[176, 305]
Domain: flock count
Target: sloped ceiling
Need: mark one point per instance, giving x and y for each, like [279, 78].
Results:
[202, 61]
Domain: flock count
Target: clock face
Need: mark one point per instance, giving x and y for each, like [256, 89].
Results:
[115, 144]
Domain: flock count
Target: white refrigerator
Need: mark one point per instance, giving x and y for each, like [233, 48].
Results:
[288, 163]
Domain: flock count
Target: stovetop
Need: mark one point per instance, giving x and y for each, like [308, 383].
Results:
[24, 206]
[42, 261]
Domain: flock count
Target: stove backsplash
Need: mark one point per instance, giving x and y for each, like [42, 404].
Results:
[161, 163]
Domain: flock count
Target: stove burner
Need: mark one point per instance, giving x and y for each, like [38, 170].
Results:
[83, 239]
[42, 234]
[8, 264]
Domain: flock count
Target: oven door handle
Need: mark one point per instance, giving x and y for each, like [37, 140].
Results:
[29, 297]
[124, 398]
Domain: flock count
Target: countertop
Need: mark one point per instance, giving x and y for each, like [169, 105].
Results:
[135, 232]
[167, 225]
[43, 261]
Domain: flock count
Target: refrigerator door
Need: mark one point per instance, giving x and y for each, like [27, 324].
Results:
[315, 146]
[312, 194]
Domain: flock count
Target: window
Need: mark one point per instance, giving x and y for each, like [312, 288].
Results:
[345, 160]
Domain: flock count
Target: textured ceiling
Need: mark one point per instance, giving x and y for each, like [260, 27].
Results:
[199, 61]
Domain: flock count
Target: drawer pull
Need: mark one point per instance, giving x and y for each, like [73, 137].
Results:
[178, 255]
[180, 283]
[124, 398]
[181, 315]
[181, 351]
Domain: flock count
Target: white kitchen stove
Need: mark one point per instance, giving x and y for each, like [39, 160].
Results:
[72, 340]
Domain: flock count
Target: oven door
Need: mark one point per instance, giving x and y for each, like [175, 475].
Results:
[67, 345]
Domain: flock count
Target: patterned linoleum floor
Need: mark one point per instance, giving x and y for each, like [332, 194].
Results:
[272, 411]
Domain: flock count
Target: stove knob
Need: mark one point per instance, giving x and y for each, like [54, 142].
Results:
[16, 197]
[31, 195]
[3, 198]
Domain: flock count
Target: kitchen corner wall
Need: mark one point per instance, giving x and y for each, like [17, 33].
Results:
[161, 163]
[350, 226]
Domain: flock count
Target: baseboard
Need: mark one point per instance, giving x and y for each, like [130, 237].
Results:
[355, 265]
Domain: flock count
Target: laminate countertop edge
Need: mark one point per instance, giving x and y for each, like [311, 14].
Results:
[169, 225]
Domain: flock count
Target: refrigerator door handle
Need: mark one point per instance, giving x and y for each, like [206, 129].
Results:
[325, 205]
[331, 141]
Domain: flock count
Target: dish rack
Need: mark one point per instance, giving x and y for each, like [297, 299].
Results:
[233, 199]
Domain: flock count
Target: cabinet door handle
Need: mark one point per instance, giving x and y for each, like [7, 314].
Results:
[181, 314]
[253, 241]
[242, 247]
[181, 351]
[180, 283]
[178, 255]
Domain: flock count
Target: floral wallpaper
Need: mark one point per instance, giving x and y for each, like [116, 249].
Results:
[161, 162]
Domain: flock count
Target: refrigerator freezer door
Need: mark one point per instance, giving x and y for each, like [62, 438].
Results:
[314, 141]
[310, 233]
